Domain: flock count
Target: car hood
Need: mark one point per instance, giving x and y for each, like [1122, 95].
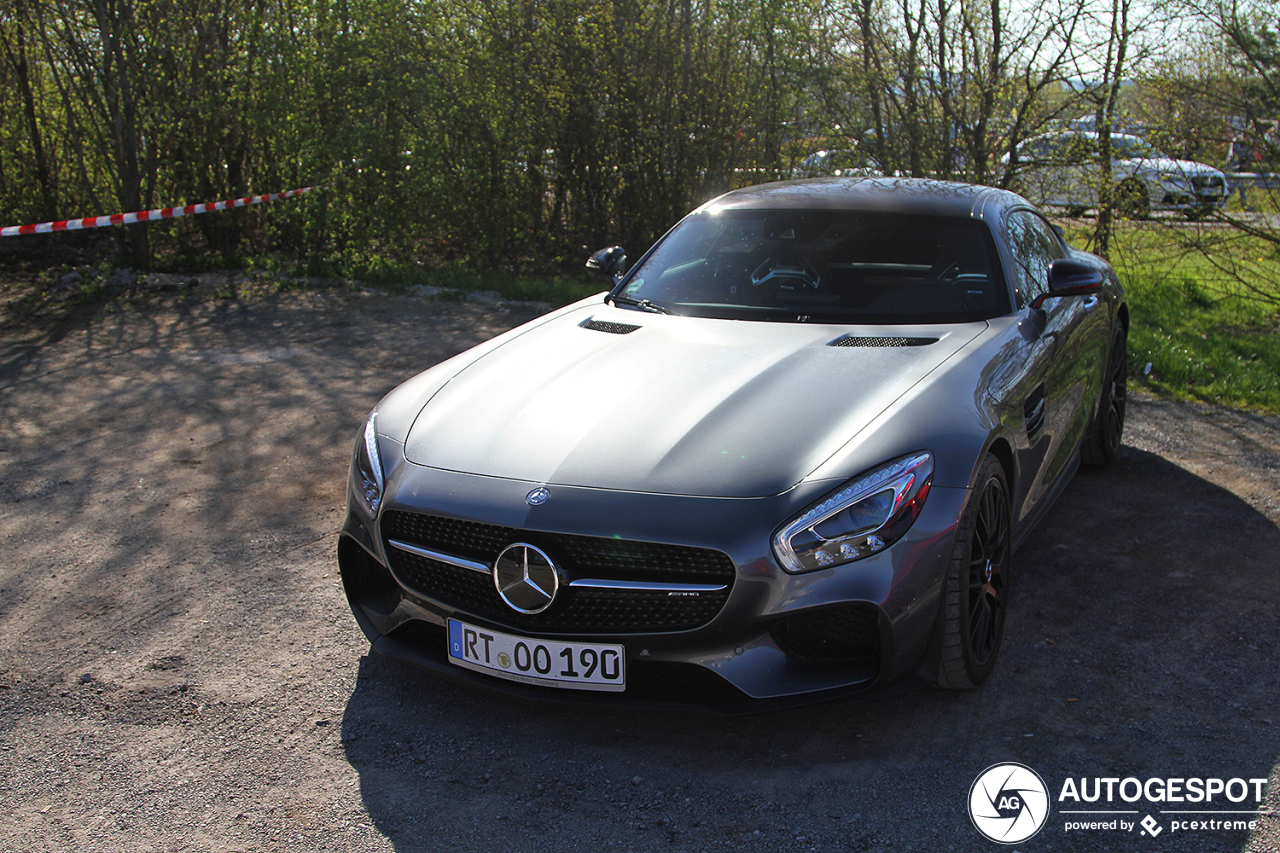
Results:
[1181, 167]
[676, 405]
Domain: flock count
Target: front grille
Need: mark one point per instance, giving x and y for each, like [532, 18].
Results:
[846, 633]
[881, 341]
[576, 609]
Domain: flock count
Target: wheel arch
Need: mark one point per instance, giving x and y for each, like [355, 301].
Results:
[1003, 452]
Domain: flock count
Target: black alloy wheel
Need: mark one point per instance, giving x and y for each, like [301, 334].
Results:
[1106, 430]
[977, 585]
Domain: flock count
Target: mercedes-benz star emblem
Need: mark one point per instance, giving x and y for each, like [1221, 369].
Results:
[537, 497]
[526, 578]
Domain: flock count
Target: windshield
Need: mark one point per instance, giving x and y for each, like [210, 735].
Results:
[824, 266]
[1133, 148]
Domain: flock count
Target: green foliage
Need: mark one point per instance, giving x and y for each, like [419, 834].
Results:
[1206, 335]
[510, 133]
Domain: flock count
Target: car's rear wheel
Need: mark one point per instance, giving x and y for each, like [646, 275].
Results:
[976, 593]
[1132, 201]
[1102, 440]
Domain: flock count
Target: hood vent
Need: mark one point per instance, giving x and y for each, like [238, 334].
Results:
[856, 341]
[610, 328]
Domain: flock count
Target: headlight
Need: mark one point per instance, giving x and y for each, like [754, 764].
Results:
[862, 519]
[368, 468]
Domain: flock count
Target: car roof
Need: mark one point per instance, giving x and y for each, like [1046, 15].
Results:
[1090, 134]
[919, 196]
[1114, 134]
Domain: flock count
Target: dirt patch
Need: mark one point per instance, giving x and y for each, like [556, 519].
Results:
[179, 669]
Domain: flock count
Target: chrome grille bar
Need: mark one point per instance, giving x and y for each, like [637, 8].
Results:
[646, 586]
[439, 556]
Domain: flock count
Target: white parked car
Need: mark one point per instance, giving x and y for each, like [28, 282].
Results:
[837, 163]
[1061, 170]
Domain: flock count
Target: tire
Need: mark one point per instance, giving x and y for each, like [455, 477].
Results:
[976, 590]
[1132, 201]
[1102, 438]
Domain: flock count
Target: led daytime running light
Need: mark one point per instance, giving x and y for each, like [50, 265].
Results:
[371, 448]
[367, 472]
[868, 484]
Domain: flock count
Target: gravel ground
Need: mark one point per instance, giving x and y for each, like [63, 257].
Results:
[179, 669]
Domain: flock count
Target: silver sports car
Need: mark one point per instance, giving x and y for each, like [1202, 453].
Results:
[786, 458]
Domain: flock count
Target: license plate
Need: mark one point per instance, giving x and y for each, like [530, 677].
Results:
[548, 663]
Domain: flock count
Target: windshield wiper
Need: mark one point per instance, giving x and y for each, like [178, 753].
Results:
[641, 304]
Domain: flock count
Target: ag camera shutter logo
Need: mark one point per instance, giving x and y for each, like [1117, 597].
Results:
[1008, 803]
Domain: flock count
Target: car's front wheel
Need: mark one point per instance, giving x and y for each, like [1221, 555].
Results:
[976, 593]
[1102, 440]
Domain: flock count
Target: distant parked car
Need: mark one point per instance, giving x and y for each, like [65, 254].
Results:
[836, 163]
[1061, 170]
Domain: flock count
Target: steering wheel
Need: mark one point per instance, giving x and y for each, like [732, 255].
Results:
[777, 274]
[945, 274]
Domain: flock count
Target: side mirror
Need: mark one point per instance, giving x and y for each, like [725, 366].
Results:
[1070, 278]
[611, 262]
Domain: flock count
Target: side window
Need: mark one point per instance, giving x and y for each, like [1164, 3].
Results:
[1034, 247]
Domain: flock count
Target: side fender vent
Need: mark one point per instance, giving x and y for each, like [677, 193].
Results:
[1033, 414]
[864, 341]
[608, 328]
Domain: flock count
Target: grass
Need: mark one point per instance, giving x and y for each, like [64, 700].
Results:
[1198, 332]
[1203, 346]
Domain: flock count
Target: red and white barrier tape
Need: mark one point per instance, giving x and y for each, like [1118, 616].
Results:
[147, 215]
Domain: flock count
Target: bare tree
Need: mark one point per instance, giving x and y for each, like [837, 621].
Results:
[949, 86]
[1227, 83]
[15, 43]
